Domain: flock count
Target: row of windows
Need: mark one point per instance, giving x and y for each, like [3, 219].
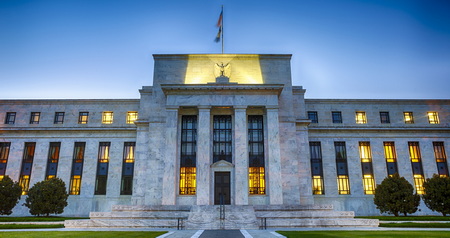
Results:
[360, 117]
[77, 165]
[367, 174]
[83, 117]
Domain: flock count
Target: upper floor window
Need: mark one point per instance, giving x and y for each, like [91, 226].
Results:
[59, 118]
[83, 117]
[384, 117]
[361, 118]
[433, 118]
[409, 118]
[10, 118]
[34, 118]
[312, 115]
[336, 117]
[131, 117]
[107, 117]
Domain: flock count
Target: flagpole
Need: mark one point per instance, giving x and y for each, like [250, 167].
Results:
[222, 29]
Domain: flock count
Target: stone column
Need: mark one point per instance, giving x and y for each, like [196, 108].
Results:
[241, 155]
[140, 163]
[170, 172]
[273, 163]
[203, 155]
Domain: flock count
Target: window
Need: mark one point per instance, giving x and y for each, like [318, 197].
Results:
[34, 118]
[10, 118]
[341, 168]
[256, 166]
[361, 118]
[4, 153]
[131, 117]
[441, 158]
[312, 115]
[391, 157]
[102, 168]
[409, 118]
[384, 117]
[59, 118]
[107, 117]
[126, 186]
[27, 165]
[416, 163]
[52, 160]
[336, 117]
[83, 117]
[75, 185]
[367, 169]
[77, 168]
[433, 118]
[188, 155]
[222, 138]
[316, 167]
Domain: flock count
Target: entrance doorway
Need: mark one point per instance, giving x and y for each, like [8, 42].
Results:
[222, 188]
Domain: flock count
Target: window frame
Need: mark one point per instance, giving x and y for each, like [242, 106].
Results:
[313, 116]
[10, 118]
[336, 116]
[384, 117]
[360, 117]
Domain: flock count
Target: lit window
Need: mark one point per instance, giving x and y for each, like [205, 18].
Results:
[441, 158]
[256, 180]
[433, 118]
[4, 152]
[416, 164]
[10, 118]
[316, 167]
[343, 184]
[24, 182]
[364, 152]
[126, 185]
[367, 167]
[83, 117]
[77, 168]
[131, 117]
[361, 118]
[341, 167]
[369, 185]
[52, 160]
[409, 118]
[107, 117]
[102, 168]
[391, 157]
[418, 182]
[187, 180]
[59, 118]
[75, 184]
[337, 117]
[312, 115]
[103, 152]
[256, 155]
[188, 155]
[34, 118]
[317, 182]
[128, 153]
[27, 165]
[384, 117]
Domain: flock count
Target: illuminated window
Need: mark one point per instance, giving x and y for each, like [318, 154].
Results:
[433, 118]
[102, 168]
[126, 187]
[52, 160]
[341, 167]
[367, 168]
[368, 183]
[77, 168]
[312, 115]
[441, 158]
[103, 152]
[188, 155]
[83, 117]
[128, 152]
[131, 117]
[316, 167]
[416, 163]
[59, 118]
[1, 177]
[409, 118]
[222, 138]
[364, 152]
[24, 182]
[4, 153]
[27, 165]
[256, 180]
[361, 118]
[256, 155]
[10, 118]
[107, 117]
[34, 118]
[391, 157]
[336, 117]
[75, 185]
[384, 117]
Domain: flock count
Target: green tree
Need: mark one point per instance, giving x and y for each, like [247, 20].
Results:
[437, 194]
[47, 197]
[396, 195]
[10, 192]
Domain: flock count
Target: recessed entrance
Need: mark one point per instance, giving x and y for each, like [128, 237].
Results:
[222, 188]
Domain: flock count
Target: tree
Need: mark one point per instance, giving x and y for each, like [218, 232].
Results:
[396, 195]
[10, 192]
[437, 194]
[47, 197]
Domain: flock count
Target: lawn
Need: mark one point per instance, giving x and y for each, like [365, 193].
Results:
[359, 234]
[408, 218]
[29, 226]
[416, 225]
[37, 219]
[84, 234]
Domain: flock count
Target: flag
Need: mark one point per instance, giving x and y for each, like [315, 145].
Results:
[218, 35]
[219, 24]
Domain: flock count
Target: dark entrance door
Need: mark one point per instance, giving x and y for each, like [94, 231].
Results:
[222, 188]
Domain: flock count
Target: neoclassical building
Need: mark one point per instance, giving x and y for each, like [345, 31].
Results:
[222, 129]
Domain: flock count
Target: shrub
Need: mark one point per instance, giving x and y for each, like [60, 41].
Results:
[47, 197]
[437, 194]
[10, 192]
[396, 195]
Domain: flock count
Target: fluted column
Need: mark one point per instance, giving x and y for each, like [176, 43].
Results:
[274, 160]
[170, 172]
[241, 155]
[203, 155]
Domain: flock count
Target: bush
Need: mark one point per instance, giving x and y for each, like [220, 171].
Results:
[47, 197]
[10, 192]
[396, 195]
[437, 194]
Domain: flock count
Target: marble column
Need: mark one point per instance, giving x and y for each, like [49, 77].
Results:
[241, 155]
[203, 155]
[274, 161]
[170, 172]
[140, 162]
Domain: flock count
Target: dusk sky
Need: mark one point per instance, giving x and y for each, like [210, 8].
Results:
[367, 49]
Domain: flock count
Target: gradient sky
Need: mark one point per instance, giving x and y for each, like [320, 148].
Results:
[373, 49]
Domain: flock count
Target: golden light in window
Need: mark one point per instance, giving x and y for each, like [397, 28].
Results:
[343, 184]
[107, 117]
[75, 184]
[188, 180]
[418, 182]
[433, 118]
[317, 184]
[361, 118]
[409, 119]
[131, 117]
[364, 152]
[256, 181]
[369, 184]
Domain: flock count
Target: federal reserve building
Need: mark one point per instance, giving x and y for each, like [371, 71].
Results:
[222, 140]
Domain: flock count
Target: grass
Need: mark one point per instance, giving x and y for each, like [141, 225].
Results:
[416, 225]
[408, 218]
[84, 234]
[29, 226]
[358, 234]
[37, 219]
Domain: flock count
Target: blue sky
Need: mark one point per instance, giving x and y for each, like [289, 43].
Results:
[341, 48]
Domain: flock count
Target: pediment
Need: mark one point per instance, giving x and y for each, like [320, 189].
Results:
[222, 164]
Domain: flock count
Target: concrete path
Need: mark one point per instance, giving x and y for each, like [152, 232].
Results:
[221, 234]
